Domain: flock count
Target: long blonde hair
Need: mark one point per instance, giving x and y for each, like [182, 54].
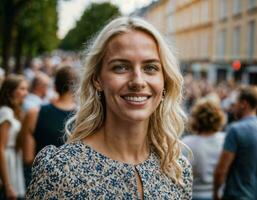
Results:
[166, 123]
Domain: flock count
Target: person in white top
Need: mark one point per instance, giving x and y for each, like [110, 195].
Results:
[206, 121]
[12, 93]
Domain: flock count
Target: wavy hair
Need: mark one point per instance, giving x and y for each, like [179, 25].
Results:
[166, 123]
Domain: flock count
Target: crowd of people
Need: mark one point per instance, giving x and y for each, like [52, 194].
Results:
[222, 136]
[122, 134]
[33, 109]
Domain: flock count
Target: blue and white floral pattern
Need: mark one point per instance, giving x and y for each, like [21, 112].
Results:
[76, 171]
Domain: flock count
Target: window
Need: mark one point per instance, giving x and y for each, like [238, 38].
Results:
[236, 42]
[236, 6]
[205, 11]
[195, 15]
[223, 9]
[221, 75]
[221, 47]
[204, 42]
[252, 4]
[251, 41]
[253, 78]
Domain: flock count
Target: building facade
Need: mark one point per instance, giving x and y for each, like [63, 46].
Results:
[214, 38]
[235, 39]
[156, 13]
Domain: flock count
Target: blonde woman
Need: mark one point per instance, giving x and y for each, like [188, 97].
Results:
[124, 140]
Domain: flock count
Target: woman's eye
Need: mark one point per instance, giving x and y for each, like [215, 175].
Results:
[120, 68]
[151, 68]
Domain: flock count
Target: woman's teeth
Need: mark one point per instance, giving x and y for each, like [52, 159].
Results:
[138, 99]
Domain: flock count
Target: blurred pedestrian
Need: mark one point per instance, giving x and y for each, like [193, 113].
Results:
[206, 121]
[12, 93]
[47, 66]
[51, 118]
[32, 67]
[38, 90]
[45, 125]
[124, 142]
[237, 166]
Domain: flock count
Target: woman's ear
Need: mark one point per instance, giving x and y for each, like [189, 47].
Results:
[96, 82]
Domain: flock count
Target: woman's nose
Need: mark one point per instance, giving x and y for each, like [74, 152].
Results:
[137, 80]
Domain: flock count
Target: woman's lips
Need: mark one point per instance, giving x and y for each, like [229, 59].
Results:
[136, 99]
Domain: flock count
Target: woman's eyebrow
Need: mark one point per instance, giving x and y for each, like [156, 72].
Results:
[152, 61]
[118, 60]
[127, 61]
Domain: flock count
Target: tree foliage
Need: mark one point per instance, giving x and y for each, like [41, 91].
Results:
[39, 26]
[29, 27]
[93, 19]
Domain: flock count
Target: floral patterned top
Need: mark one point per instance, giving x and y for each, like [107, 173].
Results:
[76, 171]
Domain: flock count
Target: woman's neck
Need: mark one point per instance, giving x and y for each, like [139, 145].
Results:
[122, 141]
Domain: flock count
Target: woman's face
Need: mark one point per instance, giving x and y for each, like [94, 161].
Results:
[131, 77]
[21, 92]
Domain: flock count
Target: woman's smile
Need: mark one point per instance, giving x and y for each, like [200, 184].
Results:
[136, 99]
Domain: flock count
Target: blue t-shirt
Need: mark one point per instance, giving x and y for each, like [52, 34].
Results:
[241, 139]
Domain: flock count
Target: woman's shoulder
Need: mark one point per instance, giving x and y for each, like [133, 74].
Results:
[52, 154]
[186, 169]
[183, 161]
[187, 176]
[6, 113]
[47, 159]
[6, 109]
[46, 154]
[53, 168]
[73, 169]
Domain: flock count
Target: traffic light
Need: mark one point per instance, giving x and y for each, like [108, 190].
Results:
[236, 65]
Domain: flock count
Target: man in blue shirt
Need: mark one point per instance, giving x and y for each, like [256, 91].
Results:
[237, 167]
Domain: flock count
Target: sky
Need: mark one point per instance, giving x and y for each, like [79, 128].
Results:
[71, 11]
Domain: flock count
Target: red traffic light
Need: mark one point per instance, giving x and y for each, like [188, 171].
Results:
[236, 65]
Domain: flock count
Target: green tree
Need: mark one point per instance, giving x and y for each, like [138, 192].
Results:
[10, 10]
[36, 31]
[28, 27]
[93, 19]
